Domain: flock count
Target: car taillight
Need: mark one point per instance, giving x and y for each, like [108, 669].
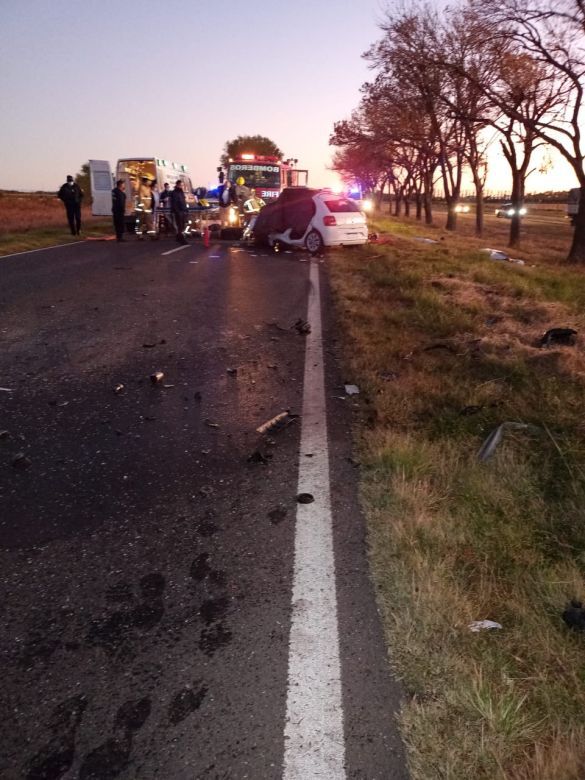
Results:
[329, 221]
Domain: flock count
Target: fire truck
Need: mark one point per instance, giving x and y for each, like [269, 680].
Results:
[267, 175]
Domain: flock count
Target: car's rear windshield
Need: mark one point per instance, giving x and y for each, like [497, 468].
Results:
[338, 205]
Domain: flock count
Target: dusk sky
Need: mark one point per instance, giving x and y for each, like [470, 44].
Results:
[105, 79]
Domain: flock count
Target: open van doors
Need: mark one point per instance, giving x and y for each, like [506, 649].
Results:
[100, 177]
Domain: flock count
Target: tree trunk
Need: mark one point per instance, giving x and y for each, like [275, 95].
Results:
[406, 206]
[451, 223]
[577, 252]
[397, 203]
[428, 207]
[516, 202]
[478, 206]
[419, 204]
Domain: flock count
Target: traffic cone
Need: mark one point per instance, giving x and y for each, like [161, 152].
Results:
[206, 237]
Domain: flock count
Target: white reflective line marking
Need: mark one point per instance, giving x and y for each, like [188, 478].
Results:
[177, 249]
[42, 249]
[314, 739]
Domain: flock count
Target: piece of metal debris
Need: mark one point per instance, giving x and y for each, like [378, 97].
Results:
[211, 424]
[275, 423]
[489, 446]
[232, 371]
[119, 388]
[305, 498]
[483, 625]
[157, 377]
[351, 389]
[6, 390]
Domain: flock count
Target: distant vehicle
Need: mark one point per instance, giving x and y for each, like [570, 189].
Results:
[267, 175]
[313, 219]
[508, 210]
[573, 204]
[462, 208]
[131, 170]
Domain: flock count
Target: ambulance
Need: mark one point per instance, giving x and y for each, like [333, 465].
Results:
[131, 170]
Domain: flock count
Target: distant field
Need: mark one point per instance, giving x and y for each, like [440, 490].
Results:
[31, 220]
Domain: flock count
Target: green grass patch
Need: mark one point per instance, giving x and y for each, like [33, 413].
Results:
[444, 343]
[41, 237]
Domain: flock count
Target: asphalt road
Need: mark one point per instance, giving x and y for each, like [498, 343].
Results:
[147, 531]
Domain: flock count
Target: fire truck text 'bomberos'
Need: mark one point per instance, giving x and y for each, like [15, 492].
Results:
[267, 175]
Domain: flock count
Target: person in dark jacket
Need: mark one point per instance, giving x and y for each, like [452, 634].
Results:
[71, 194]
[119, 208]
[179, 209]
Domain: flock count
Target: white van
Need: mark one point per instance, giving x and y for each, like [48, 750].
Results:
[131, 170]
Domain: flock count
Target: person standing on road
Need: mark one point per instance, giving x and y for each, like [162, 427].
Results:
[71, 194]
[179, 210]
[144, 208]
[227, 199]
[119, 208]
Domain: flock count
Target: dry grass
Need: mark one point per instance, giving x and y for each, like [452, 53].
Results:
[449, 352]
[32, 220]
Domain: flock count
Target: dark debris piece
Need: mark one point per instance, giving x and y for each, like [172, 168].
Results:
[562, 336]
[305, 498]
[21, 462]
[302, 327]
[574, 616]
[258, 457]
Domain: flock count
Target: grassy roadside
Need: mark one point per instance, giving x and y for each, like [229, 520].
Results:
[447, 352]
[41, 237]
[37, 220]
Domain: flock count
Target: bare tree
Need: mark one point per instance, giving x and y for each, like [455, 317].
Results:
[407, 54]
[551, 33]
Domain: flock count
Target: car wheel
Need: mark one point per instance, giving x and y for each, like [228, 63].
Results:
[314, 242]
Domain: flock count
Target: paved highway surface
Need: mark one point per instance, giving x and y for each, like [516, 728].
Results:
[169, 609]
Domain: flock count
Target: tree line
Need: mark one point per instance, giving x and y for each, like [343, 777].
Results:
[445, 81]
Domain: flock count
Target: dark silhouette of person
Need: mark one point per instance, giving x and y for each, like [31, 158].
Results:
[71, 194]
[119, 208]
[179, 210]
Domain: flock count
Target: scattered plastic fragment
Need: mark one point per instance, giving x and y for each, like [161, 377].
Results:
[275, 423]
[425, 240]
[574, 615]
[480, 625]
[168, 387]
[119, 389]
[489, 446]
[20, 461]
[211, 424]
[352, 389]
[553, 336]
[6, 389]
[305, 498]
[157, 377]
[232, 371]
[495, 254]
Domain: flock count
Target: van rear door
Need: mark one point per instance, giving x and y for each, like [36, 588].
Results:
[100, 177]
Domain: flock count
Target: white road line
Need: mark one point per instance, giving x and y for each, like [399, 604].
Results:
[314, 739]
[177, 249]
[43, 249]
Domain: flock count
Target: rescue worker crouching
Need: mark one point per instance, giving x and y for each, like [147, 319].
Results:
[145, 209]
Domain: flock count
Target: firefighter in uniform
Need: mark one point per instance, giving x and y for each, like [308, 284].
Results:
[145, 208]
